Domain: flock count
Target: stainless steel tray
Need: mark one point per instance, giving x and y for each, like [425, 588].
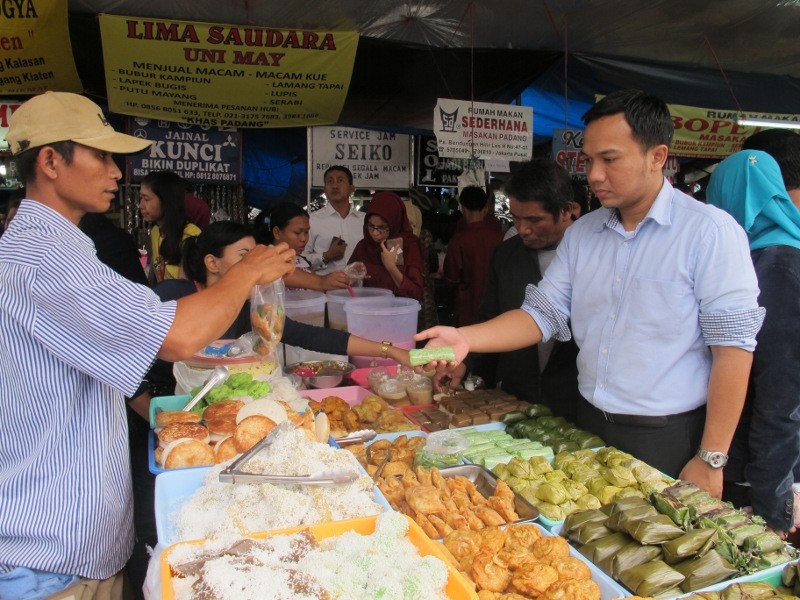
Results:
[485, 482]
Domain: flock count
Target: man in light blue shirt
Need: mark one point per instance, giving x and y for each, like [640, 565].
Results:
[75, 338]
[661, 296]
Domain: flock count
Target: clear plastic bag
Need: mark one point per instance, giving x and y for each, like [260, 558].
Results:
[267, 316]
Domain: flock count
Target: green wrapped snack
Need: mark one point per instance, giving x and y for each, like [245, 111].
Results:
[644, 473]
[588, 501]
[761, 543]
[582, 474]
[703, 571]
[608, 494]
[653, 530]
[574, 489]
[632, 555]
[538, 410]
[605, 548]
[695, 542]
[619, 519]
[423, 356]
[550, 510]
[667, 504]
[651, 578]
[753, 590]
[521, 468]
[568, 507]
[741, 533]
[501, 471]
[540, 465]
[577, 519]
[553, 493]
[630, 492]
[562, 459]
[564, 445]
[790, 577]
[589, 532]
[618, 476]
[556, 477]
[759, 562]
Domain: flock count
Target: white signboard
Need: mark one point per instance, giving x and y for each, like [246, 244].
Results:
[467, 129]
[378, 159]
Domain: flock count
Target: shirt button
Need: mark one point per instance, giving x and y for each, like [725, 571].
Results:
[618, 280]
[624, 243]
[604, 351]
[602, 386]
[613, 316]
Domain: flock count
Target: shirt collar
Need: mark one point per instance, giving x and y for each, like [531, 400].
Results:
[660, 211]
[38, 215]
[329, 210]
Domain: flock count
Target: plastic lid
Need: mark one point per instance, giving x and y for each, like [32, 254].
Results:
[446, 442]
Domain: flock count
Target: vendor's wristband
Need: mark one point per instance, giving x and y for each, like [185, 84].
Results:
[385, 349]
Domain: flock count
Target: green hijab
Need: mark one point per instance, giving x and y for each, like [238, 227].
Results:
[749, 186]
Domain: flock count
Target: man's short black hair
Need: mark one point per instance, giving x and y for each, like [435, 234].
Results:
[541, 180]
[26, 161]
[784, 147]
[473, 198]
[648, 116]
[341, 168]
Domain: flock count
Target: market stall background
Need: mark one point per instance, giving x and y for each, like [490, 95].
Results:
[554, 56]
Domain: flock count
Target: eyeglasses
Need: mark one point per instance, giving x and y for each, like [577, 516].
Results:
[379, 228]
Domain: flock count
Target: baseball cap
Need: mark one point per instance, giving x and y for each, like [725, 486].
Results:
[60, 116]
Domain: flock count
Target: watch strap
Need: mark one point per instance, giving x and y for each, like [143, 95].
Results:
[385, 345]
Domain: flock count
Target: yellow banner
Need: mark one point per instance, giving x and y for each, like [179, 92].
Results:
[35, 53]
[713, 133]
[226, 75]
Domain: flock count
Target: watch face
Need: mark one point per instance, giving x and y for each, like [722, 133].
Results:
[717, 459]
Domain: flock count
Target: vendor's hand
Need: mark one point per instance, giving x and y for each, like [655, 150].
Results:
[335, 281]
[389, 255]
[698, 472]
[336, 250]
[444, 336]
[269, 262]
[444, 381]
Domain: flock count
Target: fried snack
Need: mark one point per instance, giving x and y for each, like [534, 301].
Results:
[585, 589]
[441, 526]
[351, 421]
[516, 557]
[424, 476]
[394, 468]
[488, 573]
[571, 568]
[489, 516]
[224, 410]
[424, 499]
[187, 453]
[523, 535]
[493, 539]
[427, 526]
[550, 548]
[168, 417]
[504, 507]
[461, 500]
[251, 431]
[534, 580]
[464, 545]
[502, 490]
[472, 519]
[176, 431]
[221, 426]
[394, 491]
[360, 452]
[393, 420]
[454, 519]
[487, 595]
[225, 450]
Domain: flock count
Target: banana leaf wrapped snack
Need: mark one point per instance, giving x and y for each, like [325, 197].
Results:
[790, 577]
[651, 578]
[589, 532]
[653, 530]
[764, 542]
[695, 542]
[605, 548]
[632, 555]
[703, 571]
[619, 519]
[576, 519]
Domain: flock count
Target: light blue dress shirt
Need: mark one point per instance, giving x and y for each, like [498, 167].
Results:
[645, 306]
[74, 338]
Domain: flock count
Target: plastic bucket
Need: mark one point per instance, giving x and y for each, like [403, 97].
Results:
[306, 306]
[337, 298]
[385, 318]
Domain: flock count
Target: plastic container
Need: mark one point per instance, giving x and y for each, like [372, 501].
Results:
[458, 588]
[442, 449]
[337, 299]
[420, 391]
[351, 394]
[393, 391]
[383, 318]
[361, 376]
[306, 306]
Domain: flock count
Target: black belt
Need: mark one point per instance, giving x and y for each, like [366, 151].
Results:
[642, 420]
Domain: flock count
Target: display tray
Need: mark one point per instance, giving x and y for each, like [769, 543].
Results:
[485, 482]
[353, 395]
[771, 575]
[160, 403]
[175, 487]
[458, 588]
[413, 411]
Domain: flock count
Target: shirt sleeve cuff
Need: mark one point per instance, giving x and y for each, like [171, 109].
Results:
[550, 321]
[737, 328]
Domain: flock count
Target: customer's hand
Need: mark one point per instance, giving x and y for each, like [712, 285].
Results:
[336, 250]
[445, 381]
[335, 281]
[698, 472]
[270, 262]
[444, 336]
[389, 255]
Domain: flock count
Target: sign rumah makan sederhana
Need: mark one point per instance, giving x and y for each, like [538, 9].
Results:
[226, 75]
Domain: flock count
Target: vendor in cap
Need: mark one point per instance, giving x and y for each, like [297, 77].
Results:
[75, 338]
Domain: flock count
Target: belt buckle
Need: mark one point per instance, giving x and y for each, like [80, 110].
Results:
[608, 416]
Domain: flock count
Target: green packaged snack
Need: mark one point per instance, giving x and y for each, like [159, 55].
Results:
[703, 571]
[605, 548]
[538, 410]
[653, 529]
[588, 501]
[763, 542]
[423, 356]
[632, 555]
[695, 542]
[577, 519]
[651, 578]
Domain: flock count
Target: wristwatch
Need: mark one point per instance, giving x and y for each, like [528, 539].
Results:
[715, 460]
[385, 349]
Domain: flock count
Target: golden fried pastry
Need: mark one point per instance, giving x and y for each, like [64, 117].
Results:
[488, 573]
[504, 507]
[225, 450]
[409, 480]
[351, 422]
[415, 443]
[438, 481]
[585, 589]
[224, 410]
[523, 535]
[394, 491]
[441, 527]
[492, 539]
[510, 596]
[454, 519]
[181, 454]
[424, 476]
[461, 499]
[550, 548]
[516, 557]
[221, 426]
[571, 568]
[176, 431]
[427, 526]
[503, 491]
[424, 499]
[534, 580]
[472, 519]
[360, 452]
[394, 468]
[251, 431]
[474, 495]
[487, 595]
[489, 516]
[168, 417]
[464, 545]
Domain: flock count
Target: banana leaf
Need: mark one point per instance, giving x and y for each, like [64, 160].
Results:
[621, 518]
[761, 543]
[631, 491]
[791, 575]
[703, 571]
[702, 596]
[653, 530]
[627, 503]
[760, 562]
[632, 555]
[695, 542]
[681, 490]
[651, 578]
[576, 519]
[666, 504]
[554, 493]
[588, 501]
[741, 533]
[589, 532]
[605, 548]
[752, 590]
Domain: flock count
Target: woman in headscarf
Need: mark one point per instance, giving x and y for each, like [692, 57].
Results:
[390, 250]
[766, 447]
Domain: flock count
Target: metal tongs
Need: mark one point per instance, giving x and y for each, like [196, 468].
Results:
[233, 473]
[362, 436]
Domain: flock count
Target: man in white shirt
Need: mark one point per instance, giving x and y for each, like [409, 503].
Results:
[337, 227]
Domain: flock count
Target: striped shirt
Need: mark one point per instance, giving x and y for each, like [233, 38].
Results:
[75, 337]
[645, 305]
